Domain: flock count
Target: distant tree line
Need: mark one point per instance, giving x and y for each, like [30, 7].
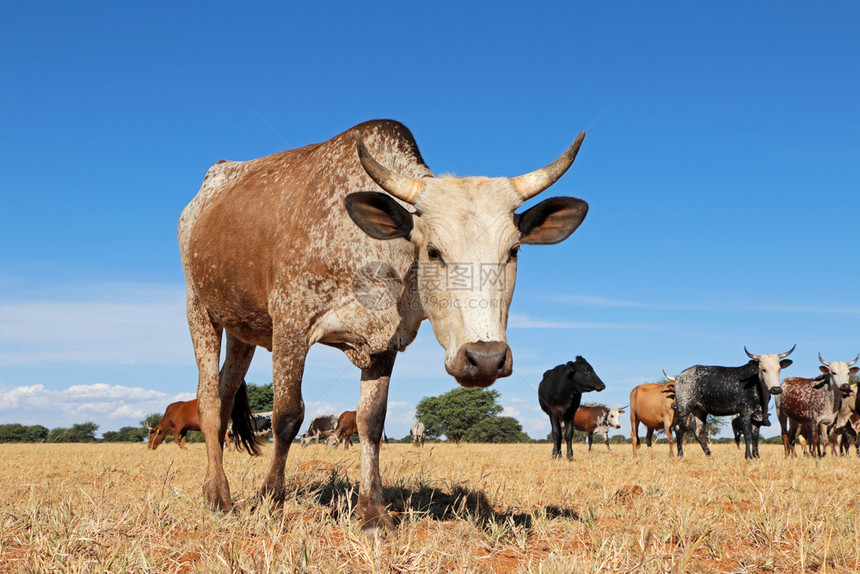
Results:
[83, 432]
[260, 397]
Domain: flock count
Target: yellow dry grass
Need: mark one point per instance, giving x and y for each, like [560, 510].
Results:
[460, 508]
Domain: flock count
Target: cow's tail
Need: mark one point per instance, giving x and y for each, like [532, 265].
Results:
[243, 423]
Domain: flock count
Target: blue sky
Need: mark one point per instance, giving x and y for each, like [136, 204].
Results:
[721, 166]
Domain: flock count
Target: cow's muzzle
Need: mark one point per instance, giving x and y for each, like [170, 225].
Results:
[776, 391]
[480, 364]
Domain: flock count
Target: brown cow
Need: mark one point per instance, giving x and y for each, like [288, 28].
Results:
[179, 418]
[346, 428]
[347, 243]
[597, 420]
[814, 402]
[653, 405]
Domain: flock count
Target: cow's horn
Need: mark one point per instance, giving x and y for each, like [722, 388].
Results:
[787, 353]
[665, 374]
[751, 356]
[530, 184]
[147, 426]
[851, 364]
[823, 362]
[402, 187]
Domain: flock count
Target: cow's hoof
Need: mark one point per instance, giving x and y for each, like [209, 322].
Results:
[374, 533]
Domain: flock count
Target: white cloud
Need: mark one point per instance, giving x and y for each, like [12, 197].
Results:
[110, 406]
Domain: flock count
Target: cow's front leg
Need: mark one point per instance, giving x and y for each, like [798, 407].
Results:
[289, 349]
[370, 419]
[606, 439]
[746, 418]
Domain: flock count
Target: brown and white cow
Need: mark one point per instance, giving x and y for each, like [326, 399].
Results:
[322, 426]
[418, 432]
[653, 405]
[814, 402]
[352, 243]
[178, 418]
[344, 431]
[597, 420]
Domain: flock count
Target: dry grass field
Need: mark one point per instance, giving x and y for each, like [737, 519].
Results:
[460, 508]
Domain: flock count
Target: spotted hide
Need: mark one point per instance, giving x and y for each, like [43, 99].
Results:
[349, 243]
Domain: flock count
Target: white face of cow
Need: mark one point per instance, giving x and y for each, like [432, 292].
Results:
[839, 372]
[613, 418]
[467, 237]
[769, 367]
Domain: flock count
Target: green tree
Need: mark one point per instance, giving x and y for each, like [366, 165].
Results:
[261, 398]
[82, 432]
[20, 433]
[126, 434]
[497, 429]
[455, 412]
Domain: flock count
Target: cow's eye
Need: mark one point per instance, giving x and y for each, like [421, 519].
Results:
[512, 254]
[434, 255]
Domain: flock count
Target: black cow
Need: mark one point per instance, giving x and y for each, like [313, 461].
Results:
[725, 391]
[262, 423]
[560, 393]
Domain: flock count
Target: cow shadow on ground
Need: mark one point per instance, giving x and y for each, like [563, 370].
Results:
[420, 500]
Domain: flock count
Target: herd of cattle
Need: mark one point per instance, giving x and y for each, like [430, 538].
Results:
[820, 408]
[352, 243]
[824, 407]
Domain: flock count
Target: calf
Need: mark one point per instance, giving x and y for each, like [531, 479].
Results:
[560, 393]
[322, 426]
[597, 420]
[419, 433]
[653, 405]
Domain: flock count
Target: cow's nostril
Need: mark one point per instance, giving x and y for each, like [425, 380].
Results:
[471, 360]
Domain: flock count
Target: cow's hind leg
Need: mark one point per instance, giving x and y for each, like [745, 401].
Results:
[215, 405]
[206, 340]
[288, 363]
[568, 437]
[634, 433]
[555, 423]
[370, 419]
[701, 433]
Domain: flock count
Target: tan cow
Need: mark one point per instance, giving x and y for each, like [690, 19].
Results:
[352, 243]
[653, 405]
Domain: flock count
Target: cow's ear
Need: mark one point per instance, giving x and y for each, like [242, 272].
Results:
[854, 370]
[785, 363]
[378, 215]
[822, 368]
[550, 221]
